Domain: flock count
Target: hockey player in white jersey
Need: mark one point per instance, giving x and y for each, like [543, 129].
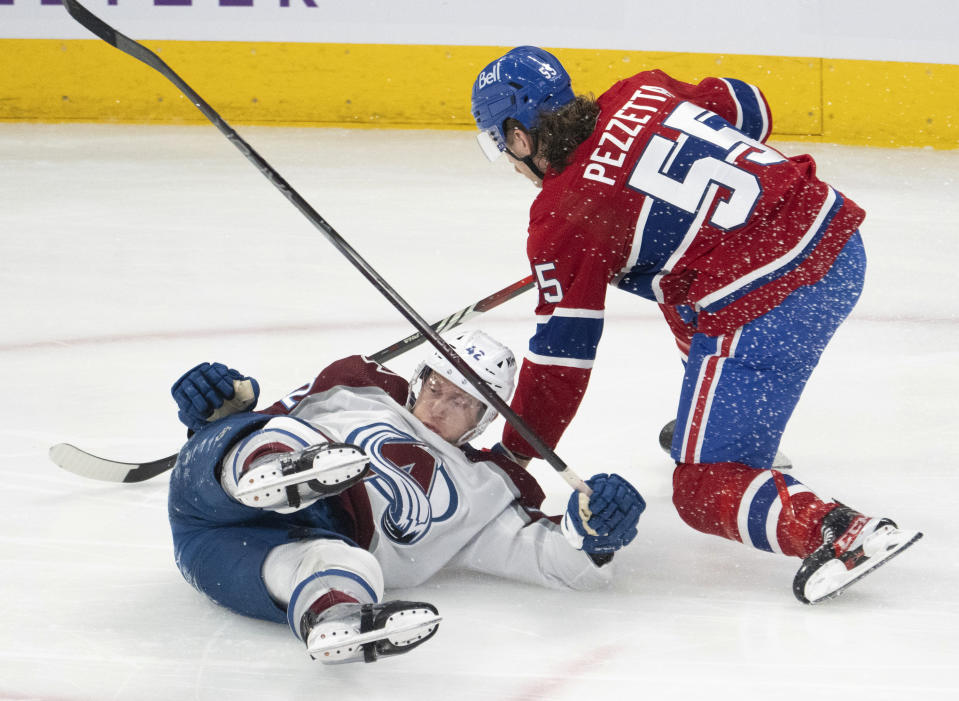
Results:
[359, 482]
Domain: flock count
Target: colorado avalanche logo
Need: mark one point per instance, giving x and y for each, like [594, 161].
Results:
[415, 482]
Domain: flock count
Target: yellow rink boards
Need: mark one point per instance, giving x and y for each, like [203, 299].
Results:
[877, 103]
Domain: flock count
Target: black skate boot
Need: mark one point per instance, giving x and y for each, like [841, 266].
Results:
[853, 546]
[355, 632]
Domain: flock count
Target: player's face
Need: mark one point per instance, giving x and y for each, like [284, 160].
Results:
[446, 409]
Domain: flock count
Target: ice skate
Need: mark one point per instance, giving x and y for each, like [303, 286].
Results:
[853, 546]
[780, 462]
[365, 632]
[318, 471]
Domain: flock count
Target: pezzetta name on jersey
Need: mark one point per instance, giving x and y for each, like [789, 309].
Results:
[621, 131]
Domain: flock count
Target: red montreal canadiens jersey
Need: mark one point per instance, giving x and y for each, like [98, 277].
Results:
[675, 197]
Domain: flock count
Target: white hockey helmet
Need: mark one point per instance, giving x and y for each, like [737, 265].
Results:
[490, 359]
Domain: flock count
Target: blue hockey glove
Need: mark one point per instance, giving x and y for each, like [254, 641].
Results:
[604, 521]
[211, 391]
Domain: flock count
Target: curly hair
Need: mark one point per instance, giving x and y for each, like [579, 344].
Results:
[559, 133]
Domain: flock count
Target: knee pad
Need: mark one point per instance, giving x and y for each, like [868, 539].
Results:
[297, 574]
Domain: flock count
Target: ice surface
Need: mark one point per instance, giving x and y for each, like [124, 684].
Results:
[130, 253]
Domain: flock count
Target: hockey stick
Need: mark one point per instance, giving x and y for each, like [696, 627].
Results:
[456, 318]
[80, 462]
[141, 53]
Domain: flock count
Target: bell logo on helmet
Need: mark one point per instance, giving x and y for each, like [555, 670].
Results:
[489, 77]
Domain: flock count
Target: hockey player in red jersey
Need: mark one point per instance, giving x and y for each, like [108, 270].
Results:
[357, 482]
[669, 191]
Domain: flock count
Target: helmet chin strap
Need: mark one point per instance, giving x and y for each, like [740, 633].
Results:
[528, 160]
[529, 164]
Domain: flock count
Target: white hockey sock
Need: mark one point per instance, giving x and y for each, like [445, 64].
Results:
[298, 574]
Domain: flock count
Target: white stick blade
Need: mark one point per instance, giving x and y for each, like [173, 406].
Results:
[79, 462]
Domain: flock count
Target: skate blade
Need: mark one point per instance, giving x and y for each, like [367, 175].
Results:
[326, 474]
[335, 643]
[833, 578]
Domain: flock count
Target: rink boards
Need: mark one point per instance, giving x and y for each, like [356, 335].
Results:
[861, 102]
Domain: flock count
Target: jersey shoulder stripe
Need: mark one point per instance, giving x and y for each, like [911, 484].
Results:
[524, 487]
[752, 113]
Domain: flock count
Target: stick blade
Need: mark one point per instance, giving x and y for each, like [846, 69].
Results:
[80, 462]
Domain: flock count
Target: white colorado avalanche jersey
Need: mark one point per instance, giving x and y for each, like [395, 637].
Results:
[429, 504]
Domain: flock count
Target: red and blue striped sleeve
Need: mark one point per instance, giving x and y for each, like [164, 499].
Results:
[753, 117]
[572, 279]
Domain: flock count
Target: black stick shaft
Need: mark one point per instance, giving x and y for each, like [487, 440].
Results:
[455, 319]
[80, 462]
[140, 52]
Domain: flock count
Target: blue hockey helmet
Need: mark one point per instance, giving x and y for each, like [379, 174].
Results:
[522, 83]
